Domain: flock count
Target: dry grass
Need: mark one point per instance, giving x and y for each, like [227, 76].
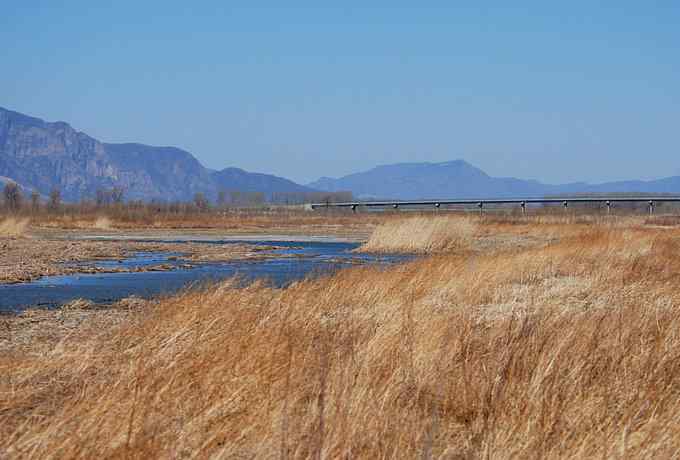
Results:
[344, 225]
[230, 219]
[103, 223]
[13, 228]
[422, 234]
[570, 350]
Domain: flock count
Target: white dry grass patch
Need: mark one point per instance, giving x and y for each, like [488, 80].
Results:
[13, 228]
[103, 223]
[422, 235]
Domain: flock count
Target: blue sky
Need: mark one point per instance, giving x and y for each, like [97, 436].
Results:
[556, 91]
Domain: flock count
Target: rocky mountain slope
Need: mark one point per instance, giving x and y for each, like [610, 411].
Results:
[244, 181]
[40, 155]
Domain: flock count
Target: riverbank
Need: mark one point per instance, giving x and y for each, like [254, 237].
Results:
[30, 258]
[564, 348]
[28, 252]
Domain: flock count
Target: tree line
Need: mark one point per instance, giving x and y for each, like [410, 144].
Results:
[14, 200]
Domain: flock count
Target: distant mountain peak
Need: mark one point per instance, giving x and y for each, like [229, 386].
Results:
[454, 163]
[460, 179]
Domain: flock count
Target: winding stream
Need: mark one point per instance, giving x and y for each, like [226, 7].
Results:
[297, 260]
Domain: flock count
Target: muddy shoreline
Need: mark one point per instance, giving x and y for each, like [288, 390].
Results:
[28, 259]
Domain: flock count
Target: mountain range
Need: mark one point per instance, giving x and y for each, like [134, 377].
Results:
[41, 155]
[459, 179]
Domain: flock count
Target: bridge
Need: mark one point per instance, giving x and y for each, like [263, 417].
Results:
[607, 201]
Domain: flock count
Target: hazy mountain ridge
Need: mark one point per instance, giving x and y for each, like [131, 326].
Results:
[245, 181]
[459, 179]
[43, 155]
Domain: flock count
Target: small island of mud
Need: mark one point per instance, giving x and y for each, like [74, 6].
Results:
[27, 259]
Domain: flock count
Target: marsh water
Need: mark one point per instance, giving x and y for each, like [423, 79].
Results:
[292, 261]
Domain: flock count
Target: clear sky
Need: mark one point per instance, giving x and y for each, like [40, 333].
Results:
[556, 91]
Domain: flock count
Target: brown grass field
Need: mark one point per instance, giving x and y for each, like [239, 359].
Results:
[544, 337]
[235, 220]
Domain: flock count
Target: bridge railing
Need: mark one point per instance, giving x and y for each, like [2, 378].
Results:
[608, 202]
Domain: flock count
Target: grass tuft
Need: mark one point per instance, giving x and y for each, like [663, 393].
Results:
[13, 228]
[103, 223]
[422, 234]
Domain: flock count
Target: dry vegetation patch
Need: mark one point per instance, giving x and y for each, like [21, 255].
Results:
[566, 350]
[234, 221]
[422, 234]
[23, 260]
[103, 223]
[12, 227]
